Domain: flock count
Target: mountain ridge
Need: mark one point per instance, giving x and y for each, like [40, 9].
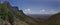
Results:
[10, 15]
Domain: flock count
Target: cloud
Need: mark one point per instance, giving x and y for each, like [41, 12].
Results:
[48, 11]
[27, 11]
[43, 11]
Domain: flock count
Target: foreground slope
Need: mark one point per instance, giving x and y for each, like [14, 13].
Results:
[54, 19]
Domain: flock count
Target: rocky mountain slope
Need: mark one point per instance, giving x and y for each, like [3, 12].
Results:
[10, 15]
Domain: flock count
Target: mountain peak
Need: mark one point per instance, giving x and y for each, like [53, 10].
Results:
[6, 4]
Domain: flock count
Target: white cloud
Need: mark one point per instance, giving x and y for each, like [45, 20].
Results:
[43, 11]
[27, 11]
[48, 11]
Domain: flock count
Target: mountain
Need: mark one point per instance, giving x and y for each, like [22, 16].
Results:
[54, 19]
[11, 15]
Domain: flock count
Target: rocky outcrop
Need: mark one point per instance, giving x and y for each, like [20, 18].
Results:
[6, 4]
[19, 22]
[15, 8]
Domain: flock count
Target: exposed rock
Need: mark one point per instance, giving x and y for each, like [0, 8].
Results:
[19, 22]
[15, 8]
[7, 4]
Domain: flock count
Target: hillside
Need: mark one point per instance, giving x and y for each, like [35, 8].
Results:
[54, 19]
[12, 16]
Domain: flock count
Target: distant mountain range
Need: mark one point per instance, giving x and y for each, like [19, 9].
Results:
[45, 16]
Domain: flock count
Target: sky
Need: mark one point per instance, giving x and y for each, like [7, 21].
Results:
[36, 6]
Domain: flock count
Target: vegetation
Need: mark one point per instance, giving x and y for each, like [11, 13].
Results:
[7, 14]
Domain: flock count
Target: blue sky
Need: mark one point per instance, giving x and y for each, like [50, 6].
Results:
[37, 6]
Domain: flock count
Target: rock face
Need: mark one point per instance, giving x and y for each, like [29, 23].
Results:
[12, 16]
[15, 8]
[19, 22]
[7, 4]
